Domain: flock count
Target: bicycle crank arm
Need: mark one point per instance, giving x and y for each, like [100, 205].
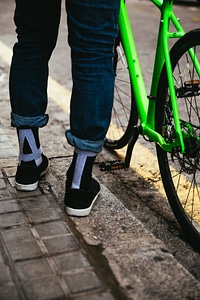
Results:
[118, 164]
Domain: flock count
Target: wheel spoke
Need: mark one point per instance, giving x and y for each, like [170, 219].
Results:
[124, 112]
[181, 171]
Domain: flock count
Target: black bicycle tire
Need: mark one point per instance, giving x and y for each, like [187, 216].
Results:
[189, 40]
[133, 114]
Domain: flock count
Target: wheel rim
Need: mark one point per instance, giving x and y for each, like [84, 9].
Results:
[181, 172]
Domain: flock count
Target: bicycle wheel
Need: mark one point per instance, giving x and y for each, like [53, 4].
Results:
[181, 172]
[124, 112]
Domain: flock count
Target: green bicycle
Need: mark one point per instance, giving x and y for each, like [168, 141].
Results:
[169, 116]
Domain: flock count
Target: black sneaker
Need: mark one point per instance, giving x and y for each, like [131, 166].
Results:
[79, 202]
[27, 176]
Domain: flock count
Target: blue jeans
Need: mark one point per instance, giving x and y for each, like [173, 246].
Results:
[92, 27]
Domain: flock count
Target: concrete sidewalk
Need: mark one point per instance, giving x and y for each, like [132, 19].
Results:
[40, 257]
[108, 255]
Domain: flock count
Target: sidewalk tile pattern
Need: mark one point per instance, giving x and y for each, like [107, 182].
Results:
[40, 258]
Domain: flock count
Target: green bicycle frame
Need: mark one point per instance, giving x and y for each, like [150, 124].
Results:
[145, 104]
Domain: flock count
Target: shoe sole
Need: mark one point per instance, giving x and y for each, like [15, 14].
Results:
[26, 187]
[81, 212]
[30, 187]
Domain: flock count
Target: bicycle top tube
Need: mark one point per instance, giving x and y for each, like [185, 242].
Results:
[159, 3]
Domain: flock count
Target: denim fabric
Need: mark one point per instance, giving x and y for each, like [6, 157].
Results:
[92, 26]
[37, 23]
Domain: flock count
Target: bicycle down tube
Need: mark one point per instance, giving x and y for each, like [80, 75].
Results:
[146, 107]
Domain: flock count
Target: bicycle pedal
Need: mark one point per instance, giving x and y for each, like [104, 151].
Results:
[112, 165]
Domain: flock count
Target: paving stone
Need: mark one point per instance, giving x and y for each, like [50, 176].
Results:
[51, 229]
[1, 258]
[5, 145]
[102, 296]
[71, 261]
[9, 162]
[7, 287]
[8, 293]
[7, 150]
[43, 215]
[4, 141]
[3, 138]
[5, 277]
[22, 194]
[33, 269]
[12, 182]
[2, 184]
[22, 251]
[11, 171]
[17, 235]
[82, 282]
[35, 203]
[12, 219]
[43, 289]
[9, 206]
[39, 210]
[4, 194]
[60, 244]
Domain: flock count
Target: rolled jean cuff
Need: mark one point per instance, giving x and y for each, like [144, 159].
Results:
[94, 146]
[20, 121]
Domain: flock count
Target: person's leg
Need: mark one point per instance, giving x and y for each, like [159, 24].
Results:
[93, 27]
[37, 23]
